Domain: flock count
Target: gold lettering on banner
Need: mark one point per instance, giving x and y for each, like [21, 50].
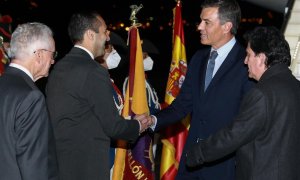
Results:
[135, 168]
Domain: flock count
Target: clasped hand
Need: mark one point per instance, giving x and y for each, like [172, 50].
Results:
[145, 121]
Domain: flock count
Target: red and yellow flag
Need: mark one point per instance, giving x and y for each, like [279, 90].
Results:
[175, 135]
[133, 162]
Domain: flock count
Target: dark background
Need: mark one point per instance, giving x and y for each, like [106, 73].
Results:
[158, 13]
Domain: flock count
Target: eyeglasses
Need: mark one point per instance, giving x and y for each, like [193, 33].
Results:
[54, 53]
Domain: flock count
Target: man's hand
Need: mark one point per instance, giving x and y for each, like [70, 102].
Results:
[145, 121]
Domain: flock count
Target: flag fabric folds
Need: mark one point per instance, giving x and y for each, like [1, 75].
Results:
[175, 135]
[135, 161]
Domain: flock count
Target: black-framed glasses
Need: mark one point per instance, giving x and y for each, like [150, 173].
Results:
[54, 53]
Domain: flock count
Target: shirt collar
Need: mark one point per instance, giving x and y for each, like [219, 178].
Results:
[83, 48]
[22, 69]
[224, 50]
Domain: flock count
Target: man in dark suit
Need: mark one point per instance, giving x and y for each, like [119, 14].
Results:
[24, 121]
[212, 105]
[266, 131]
[81, 105]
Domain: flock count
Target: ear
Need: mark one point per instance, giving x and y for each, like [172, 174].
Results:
[90, 34]
[38, 54]
[262, 58]
[227, 27]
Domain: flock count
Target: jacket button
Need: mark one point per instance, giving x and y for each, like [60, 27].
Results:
[198, 140]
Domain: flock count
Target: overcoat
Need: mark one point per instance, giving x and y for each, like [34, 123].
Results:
[266, 131]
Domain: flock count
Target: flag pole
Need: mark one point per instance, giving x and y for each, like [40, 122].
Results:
[132, 55]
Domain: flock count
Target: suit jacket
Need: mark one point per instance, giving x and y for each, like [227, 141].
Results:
[84, 117]
[211, 109]
[24, 128]
[266, 131]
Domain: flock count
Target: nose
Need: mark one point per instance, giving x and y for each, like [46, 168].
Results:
[246, 60]
[200, 26]
[107, 33]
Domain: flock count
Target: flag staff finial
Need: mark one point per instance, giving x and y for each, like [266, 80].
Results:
[134, 10]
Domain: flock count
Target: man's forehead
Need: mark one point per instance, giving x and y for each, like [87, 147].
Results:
[248, 49]
[102, 21]
[209, 13]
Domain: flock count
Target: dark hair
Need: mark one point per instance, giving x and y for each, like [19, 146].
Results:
[229, 11]
[271, 42]
[81, 22]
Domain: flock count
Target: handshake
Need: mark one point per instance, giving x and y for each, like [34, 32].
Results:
[145, 121]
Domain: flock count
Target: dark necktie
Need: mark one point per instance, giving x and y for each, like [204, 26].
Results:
[210, 68]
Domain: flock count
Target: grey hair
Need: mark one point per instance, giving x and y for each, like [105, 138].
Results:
[28, 36]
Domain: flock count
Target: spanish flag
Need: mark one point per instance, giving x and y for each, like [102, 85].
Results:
[135, 161]
[175, 135]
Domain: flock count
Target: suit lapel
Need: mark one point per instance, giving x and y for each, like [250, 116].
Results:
[230, 60]
[202, 72]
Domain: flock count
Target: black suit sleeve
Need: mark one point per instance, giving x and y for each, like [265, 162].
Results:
[246, 126]
[99, 94]
[32, 137]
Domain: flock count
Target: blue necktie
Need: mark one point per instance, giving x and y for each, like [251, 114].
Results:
[210, 68]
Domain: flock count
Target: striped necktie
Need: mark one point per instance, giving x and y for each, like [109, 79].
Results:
[210, 68]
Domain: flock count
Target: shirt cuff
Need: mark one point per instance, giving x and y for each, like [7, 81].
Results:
[154, 124]
[139, 126]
